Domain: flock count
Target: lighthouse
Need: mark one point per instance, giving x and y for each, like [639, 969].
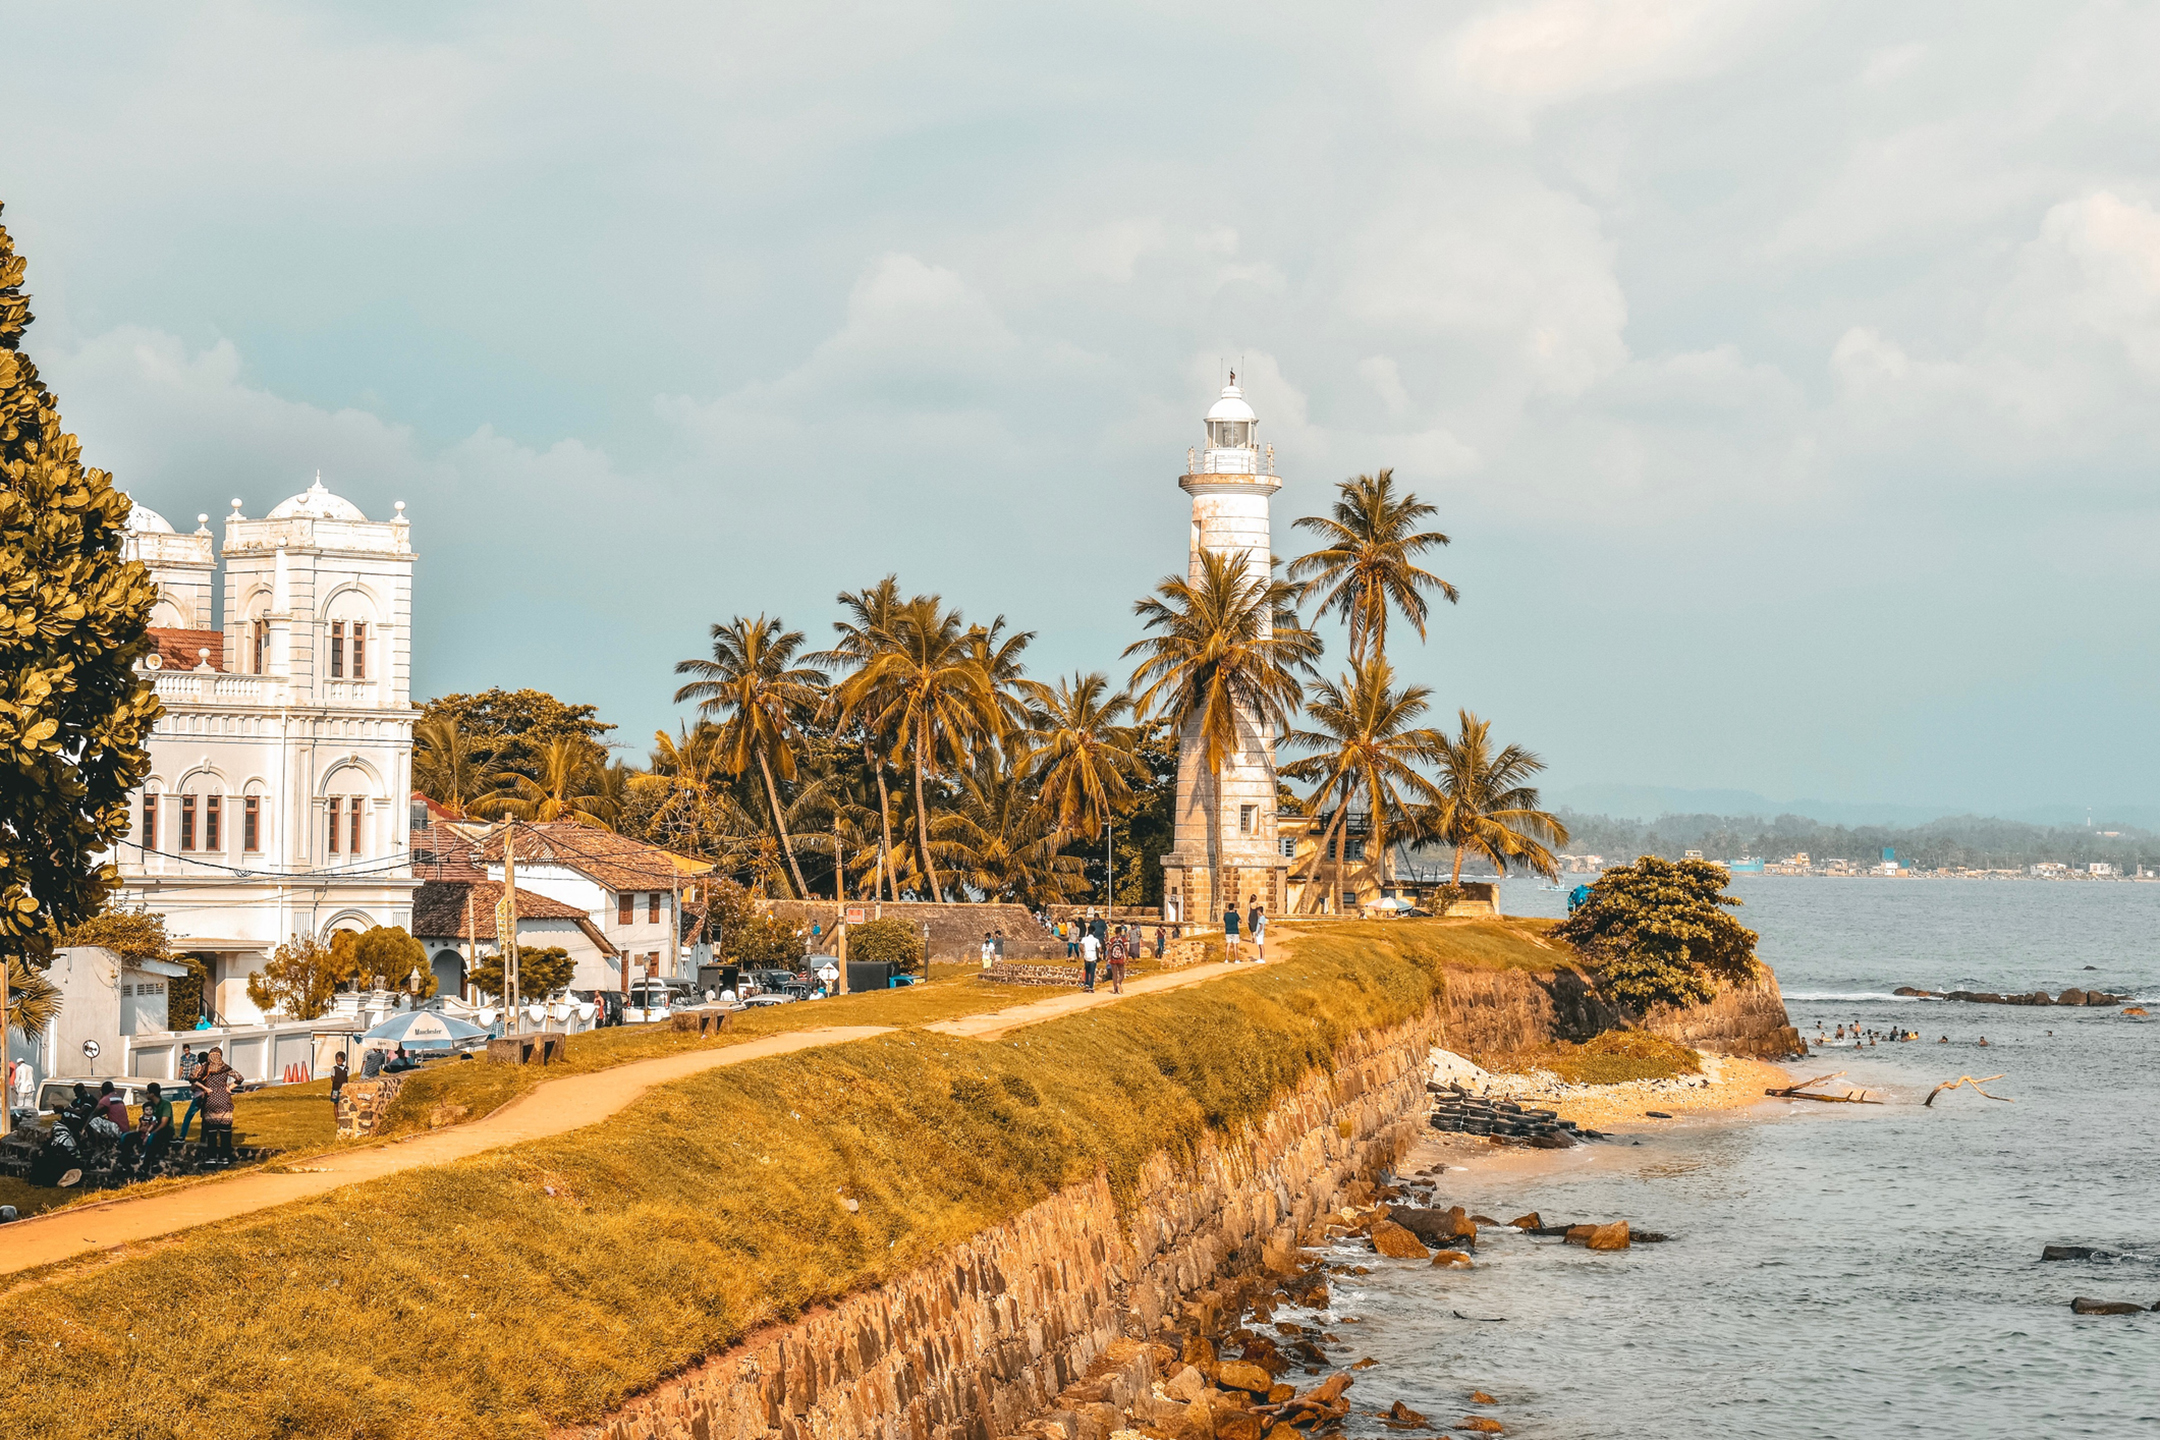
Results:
[1232, 481]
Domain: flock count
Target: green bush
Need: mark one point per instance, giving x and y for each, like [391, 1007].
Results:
[887, 942]
[1657, 933]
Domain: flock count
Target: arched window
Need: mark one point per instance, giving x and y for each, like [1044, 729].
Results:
[254, 818]
[345, 814]
[354, 650]
[202, 822]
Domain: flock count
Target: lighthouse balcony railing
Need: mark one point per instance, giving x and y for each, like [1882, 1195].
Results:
[1235, 461]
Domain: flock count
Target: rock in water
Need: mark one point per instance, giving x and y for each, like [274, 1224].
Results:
[2082, 1306]
[1579, 1234]
[1244, 1375]
[1479, 1397]
[1393, 1241]
[1446, 1258]
[2072, 996]
[1609, 1237]
[2067, 1252]
[1527, 1222]
[1402, 1414]
[1482, 1424]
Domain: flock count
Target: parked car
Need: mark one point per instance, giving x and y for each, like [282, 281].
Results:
[610, 1003]
[649, 1000]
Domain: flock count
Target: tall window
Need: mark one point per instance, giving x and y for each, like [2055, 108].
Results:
[261, 638]
[149, 820]
[652, 908]
[187, 822]
[334, 803]
[251, 823]
[359, 650]
[213, 835]
[1245, 817]
[337, 649]
[352, 835]
[623, 904]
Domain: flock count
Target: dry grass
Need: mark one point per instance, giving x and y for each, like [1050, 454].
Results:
[469, 1300]
[1613, 1058]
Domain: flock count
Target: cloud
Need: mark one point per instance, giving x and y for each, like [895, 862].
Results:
[1554, 51]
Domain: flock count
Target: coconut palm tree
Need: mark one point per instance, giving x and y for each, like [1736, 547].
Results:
[753, 684]
[1223, 664]
[692, 807]
[1001, 844]
[1485, 806]
[573, 786]
[1079, 754]
[929, 693]
[1367, 562]
[445, 768]
[999, 656]
[1366, 740]
[868, 628]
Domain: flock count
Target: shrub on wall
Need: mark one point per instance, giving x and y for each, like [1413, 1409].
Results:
[887, 942]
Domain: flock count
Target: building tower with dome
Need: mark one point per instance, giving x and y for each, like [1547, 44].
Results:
[277, 800]
[1232, 481]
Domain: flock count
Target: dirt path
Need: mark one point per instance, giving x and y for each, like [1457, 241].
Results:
[553, 1108]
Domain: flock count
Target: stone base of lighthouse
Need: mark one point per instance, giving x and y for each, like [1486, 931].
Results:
[1196, 895]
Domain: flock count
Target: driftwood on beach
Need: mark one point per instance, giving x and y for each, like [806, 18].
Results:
[1801, 1092]
[1975, 1084]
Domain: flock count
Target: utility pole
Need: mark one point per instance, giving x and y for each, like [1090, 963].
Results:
[7, 1071]
[506, 926]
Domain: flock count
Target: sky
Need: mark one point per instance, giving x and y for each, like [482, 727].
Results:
[1784, 373]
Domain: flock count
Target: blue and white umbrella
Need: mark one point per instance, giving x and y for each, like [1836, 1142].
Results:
[424, 1029]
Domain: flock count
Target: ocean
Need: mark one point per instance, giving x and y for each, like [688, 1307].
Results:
[1835, 1270]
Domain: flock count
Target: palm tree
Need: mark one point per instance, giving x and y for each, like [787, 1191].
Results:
[869, 629]
[1080, 756]
[692, 809]
[1001, 844]
[752, 682]
[573, 786]
[1365, 740]
[445, 769]
[1000, 661]
[1486, 808]
[1222, 667]
[930, 694]
[1367, 563]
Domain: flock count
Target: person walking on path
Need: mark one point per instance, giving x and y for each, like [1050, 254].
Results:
[1160, 941]
[1090, 953]
[1229, 932]
[1256, 926]
[217, 1082]
[1117, 963]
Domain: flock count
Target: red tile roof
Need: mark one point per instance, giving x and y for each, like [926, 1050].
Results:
[439, 912]
[616, 861]
[182, 649]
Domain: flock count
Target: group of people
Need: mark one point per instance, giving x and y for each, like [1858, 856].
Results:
[1255, 927]
[90, 1123]
[1862, 1038]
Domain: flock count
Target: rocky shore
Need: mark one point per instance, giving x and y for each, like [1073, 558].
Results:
[2072, 996]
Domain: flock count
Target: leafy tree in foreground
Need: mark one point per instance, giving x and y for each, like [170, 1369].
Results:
[509, 730]
[1658, 932]
[74, 715]
[386, 951]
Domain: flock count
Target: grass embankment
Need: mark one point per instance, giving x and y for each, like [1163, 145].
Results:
[1614, 1058]
[545, 1283]
[297, 1121]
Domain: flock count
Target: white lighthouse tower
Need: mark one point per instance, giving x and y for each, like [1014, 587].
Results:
[1231, 482]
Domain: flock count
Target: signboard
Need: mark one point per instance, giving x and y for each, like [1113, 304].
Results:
[90, 1049]
[856, 914]
[828, 973]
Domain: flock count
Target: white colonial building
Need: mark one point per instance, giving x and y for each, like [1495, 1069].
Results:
[277, 802]
[1232, 482]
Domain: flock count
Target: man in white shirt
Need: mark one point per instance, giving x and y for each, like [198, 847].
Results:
[1090, 952]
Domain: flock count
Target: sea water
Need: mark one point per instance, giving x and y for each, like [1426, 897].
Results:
[1835, 1270]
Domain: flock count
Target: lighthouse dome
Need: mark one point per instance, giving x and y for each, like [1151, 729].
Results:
[1232, 405]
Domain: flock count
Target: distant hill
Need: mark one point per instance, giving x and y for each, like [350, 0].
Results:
[1953, 841]
[1649, 802]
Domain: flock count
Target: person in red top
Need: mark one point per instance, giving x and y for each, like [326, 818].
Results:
[112, 1105]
